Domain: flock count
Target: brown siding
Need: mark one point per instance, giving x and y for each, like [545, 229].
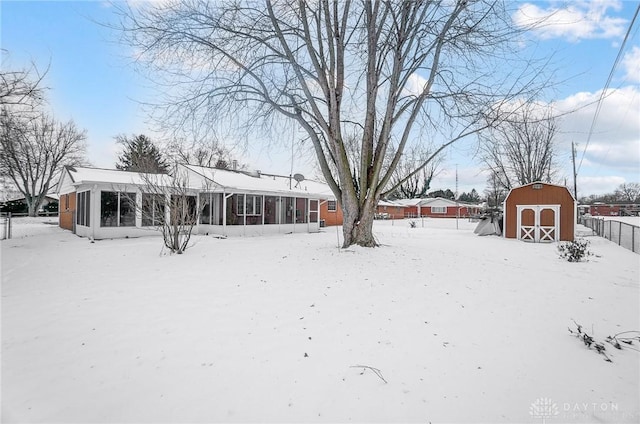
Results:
[67, 208]
[547, 195]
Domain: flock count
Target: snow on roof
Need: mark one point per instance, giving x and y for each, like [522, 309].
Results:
[256, 182]
[203, 178]
[390, 203]
[409, 202]
[436, 201]
[81, 175]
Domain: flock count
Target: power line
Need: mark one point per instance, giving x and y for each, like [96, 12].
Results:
[606, 86]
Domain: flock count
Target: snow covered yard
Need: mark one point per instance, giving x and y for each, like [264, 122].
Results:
[281, 329]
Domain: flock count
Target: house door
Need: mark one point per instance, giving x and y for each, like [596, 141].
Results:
[538, 223]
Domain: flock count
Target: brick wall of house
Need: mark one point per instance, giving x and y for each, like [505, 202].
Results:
[331, 217]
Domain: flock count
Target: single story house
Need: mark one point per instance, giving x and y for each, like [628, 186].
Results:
[102, 203]
[610, 209]
[438, 207]
[389, 210]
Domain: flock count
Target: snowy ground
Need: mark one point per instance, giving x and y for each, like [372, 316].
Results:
[273, 329]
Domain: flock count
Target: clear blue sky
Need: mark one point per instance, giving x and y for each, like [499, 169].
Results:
[92, 80]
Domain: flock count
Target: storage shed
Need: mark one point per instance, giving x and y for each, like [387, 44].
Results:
[540, 212]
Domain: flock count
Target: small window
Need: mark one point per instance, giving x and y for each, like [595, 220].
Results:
[331, 205]
[537, 186]
[438, 209]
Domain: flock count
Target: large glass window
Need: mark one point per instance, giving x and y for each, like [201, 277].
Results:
[205, 208]
[271, 209]
[153, 209]
[438, 209]
[109, 209]
[83, 202]
[287, 210]
[127, 209]
[248, 209]
[117, 209]
[184, 209]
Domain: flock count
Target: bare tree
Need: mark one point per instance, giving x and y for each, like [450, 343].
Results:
[21, 88]
[383, 67]
[33, 150]
[628, 192]
[169, 204]
[412, 180]
[521, 149]
[495, 191]
[201, 153]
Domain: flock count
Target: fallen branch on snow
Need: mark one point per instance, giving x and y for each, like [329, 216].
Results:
[588, 340]
[615, 340]
[376, 371]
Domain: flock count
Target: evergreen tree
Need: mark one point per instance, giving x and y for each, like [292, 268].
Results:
[140, 155]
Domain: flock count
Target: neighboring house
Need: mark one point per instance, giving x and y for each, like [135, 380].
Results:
[611, 209]
[101, 203]
[18, 204]
[540, 212]
[389, 210]
[438, 207]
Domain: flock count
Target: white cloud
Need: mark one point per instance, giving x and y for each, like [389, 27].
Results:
[598, 184]
[616, 135]
[415, 85]
[631, 65]
[574, 21]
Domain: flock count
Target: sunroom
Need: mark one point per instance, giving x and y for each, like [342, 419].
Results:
[99, 203]
[239, 203]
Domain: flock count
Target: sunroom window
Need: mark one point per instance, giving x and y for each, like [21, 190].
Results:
[117, 209]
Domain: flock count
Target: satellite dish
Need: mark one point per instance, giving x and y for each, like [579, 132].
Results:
[298, 177]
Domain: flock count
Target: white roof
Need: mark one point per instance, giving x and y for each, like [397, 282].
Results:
[409, 202]
[389, 203]
[82, 175]
[202, 178]
[433, 201]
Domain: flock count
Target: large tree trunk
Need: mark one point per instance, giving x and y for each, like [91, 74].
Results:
[32, 205]
[357, 226]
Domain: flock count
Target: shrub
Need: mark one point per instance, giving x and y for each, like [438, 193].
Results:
[574, 251]
[412, 224]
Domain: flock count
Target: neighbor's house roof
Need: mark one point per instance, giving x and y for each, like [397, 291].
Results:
[231, 181]
[434, 201]
[389, 203]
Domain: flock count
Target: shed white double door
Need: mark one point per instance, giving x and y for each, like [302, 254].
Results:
[538, 223]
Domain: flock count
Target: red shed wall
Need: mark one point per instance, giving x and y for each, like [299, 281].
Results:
[547, 195]
[66, 210]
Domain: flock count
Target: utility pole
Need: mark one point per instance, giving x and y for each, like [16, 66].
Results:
[457, 205]
[575, 175]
